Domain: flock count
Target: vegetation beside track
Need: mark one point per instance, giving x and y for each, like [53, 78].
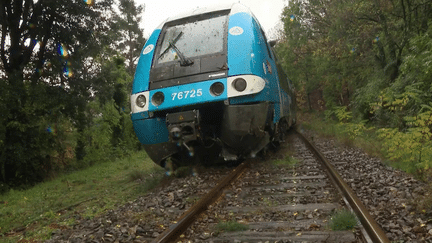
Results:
[371, 141]
[287, 161]
[343, 220]
[230, 226]
[374, 142]
[366, 66]
[39, 211]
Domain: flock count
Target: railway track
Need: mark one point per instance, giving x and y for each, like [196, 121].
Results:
[275, 204]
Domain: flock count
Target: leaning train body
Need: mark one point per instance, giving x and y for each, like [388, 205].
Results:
[207, 85]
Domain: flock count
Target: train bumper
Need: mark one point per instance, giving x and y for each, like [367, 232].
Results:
[159, 152]
[153, 134]
[244, 129]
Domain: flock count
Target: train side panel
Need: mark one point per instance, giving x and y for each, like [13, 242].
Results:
[248, 52]
[141, 78]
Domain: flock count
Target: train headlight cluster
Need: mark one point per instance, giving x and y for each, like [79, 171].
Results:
[217, 88]
[158, 98]
[239, 84]
[141, 101]
[242, 85]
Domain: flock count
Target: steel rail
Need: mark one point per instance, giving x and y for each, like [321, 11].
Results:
[175, 230]
[372, 228]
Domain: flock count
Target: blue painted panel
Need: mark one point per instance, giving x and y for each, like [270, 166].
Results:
[240, 46]
[261, 63]
[151, 131]
[141, 79]
[245, 52]
[188, 94]
[139, 115]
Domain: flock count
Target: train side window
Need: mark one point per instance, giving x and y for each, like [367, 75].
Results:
[283, 78]
[274, 54]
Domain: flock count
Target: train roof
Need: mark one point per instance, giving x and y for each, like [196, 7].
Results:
[234, 7]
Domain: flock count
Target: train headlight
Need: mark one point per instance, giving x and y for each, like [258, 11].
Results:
[141, 101]
[217, 88]
[158, 98]
[239, 84]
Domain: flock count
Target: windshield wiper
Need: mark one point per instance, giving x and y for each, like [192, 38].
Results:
[183, 60]
[170, 43]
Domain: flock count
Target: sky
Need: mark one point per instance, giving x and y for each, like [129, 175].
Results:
[156, 11]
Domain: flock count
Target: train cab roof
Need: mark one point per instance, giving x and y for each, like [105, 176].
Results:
[233, 8]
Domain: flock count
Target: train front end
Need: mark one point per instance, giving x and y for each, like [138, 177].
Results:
[201, 88]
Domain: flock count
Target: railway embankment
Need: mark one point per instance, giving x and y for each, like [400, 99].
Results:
[389, 194]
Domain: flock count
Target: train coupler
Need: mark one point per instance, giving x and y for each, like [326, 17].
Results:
[183, 127]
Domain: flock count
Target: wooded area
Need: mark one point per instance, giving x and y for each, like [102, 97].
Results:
[369, 62]
[66, 74]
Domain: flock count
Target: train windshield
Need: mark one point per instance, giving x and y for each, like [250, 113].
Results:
[193, 39]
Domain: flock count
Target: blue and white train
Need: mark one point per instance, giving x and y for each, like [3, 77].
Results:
[208, 85]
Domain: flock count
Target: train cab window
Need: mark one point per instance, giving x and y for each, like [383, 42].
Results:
[193, 38]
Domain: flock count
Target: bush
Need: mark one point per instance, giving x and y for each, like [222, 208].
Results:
[413, 147]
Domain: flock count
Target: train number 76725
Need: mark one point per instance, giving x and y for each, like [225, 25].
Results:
[186, 94]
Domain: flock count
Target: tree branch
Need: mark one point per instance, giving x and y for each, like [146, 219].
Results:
[25, 15]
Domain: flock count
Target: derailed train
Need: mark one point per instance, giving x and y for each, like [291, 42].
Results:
[208, 85]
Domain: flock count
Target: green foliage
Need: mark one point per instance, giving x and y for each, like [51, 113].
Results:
[110, 133]
[346, 124]
[99, 147]
[343, 220]
[351, 51]
[408, 139]
[64, 110]
[342, 114]
[87, 192]
[287, 161]
[129, 34]
[414, 145]
[41, 103]
[137, 175]
[373, 57]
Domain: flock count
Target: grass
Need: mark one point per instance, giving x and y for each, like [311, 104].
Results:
[231, 226]
[367, 140]
[287, 161]
[343, 220]
[90, 192]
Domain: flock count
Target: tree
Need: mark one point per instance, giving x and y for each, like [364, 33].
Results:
[44, 47]
[131, 39]
[113, 104]
[354, 49]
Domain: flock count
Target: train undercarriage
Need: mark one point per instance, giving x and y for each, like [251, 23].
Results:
[216, 132]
